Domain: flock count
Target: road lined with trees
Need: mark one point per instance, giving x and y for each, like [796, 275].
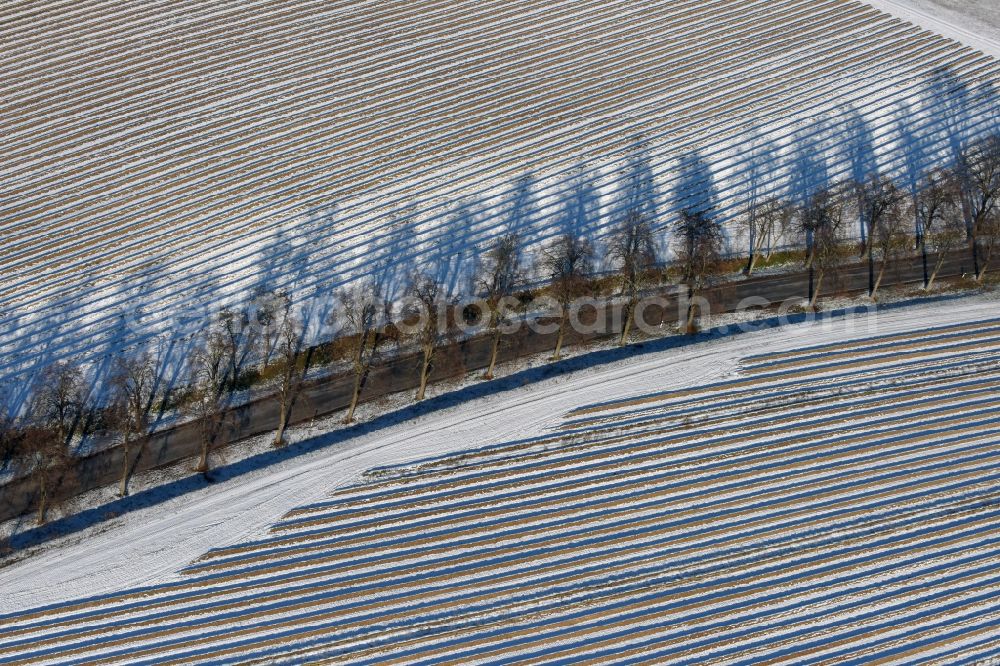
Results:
[262, 344]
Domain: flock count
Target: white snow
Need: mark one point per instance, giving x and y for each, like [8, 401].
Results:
[972, 22]
[153, 544]
[163, 202]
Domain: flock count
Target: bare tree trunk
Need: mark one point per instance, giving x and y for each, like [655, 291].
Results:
[689, 324]
[424, 371]
[493, 355]
[815, 295]
[279, 436]
[207, 435]
[359, 372]
[878, 280]
[629, 314]
[43, 498]
[755, 252]
[871, 275]
[123, 482]
[355, 395]
[203, 460]
[974, 246]
[922, 246]
[557, 354]
[937, 269]
[983, 268]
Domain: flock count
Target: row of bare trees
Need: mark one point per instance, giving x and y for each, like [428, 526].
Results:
[568, 262]
[65, 407]
[37, 445]
[949, 207]
[265, 339]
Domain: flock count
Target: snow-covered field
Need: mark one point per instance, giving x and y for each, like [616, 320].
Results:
[972, 22]
[823, 491]
[162, 161]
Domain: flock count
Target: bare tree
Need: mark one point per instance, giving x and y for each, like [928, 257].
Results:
[293, 365]
[9, 434]
[234, 325]
[58, 400]
[878, 199]
[269, 311]
[988, 236]
[132, 393]
[42, 446]
[434, 323]
[12, 431]
[206, 402]
[763, 221]
[890, 240]
[363, 312]
[939, 213]
[822, 221]
[216, 363]
[568, 261]
[44, 456]
[978, 172]
[699, 252]
[632, 248]
[501, 276]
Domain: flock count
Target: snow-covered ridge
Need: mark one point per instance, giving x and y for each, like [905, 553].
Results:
[972, 22]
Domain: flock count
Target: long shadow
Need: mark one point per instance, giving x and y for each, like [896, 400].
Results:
[916, 161]
[760, 156]
[133, 341]
[964, 99]
[580, 216]
[454, 256]
[860, 155]
[638, 190]
[389, 266]
[959, 109]
[696, 191]
[226, 472]
[521, 208]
